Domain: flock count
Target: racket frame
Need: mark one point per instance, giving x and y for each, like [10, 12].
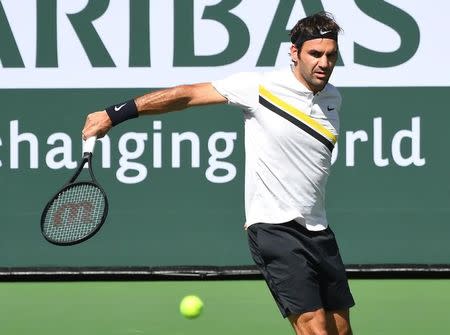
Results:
[87, 158]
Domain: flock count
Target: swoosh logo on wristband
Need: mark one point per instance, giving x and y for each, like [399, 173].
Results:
[118, 108]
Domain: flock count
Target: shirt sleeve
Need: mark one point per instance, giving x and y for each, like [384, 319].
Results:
[240, 89]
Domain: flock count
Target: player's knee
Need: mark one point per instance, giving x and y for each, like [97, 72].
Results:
[312, 323]
[342, 329]
[338, 323]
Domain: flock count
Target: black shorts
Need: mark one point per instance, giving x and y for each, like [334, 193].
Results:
[303, 269]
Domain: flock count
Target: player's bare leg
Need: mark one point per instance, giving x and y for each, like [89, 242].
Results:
[338, 322]
[320, 322]
[310, 323]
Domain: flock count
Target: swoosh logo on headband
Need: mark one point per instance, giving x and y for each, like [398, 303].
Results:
[323, 32]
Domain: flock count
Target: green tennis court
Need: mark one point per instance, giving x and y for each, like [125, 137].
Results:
[231, 307]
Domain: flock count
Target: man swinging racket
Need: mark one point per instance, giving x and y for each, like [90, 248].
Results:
[291, 127]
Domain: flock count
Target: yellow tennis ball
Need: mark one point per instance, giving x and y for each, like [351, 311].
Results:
[191, 306]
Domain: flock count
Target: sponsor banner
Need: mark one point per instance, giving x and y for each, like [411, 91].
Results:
[178, 179]
[141, 152]
[158, 43]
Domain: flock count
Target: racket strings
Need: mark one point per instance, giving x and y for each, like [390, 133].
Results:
[74, 213]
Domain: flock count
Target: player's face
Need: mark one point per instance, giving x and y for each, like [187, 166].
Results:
[315, 62]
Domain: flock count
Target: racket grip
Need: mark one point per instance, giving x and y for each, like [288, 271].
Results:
[89, 144]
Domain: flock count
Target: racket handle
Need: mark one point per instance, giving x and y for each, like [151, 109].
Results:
[89, 144]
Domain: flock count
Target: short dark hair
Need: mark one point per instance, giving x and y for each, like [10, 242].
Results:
[313, 27]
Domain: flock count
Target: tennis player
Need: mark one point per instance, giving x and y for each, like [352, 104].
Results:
[291, 127]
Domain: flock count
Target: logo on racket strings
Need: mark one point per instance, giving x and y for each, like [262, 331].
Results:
[70, 212]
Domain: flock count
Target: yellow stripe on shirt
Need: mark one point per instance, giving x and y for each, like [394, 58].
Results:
[297, 113]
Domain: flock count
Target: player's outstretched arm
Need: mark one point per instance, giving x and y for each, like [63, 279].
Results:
[158, 102]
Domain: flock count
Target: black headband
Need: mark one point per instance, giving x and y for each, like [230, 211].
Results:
[318, 33]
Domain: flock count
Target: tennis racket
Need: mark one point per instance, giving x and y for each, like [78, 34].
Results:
[79, 209]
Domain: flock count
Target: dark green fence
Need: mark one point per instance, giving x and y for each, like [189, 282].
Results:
[178, 201]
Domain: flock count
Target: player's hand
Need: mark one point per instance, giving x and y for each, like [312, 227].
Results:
[97, 124]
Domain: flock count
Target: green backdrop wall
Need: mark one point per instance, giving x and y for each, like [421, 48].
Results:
[386, 205]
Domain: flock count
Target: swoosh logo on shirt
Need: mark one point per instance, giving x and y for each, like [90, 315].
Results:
[330, 108]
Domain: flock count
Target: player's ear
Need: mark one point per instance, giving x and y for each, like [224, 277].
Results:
[294, 53]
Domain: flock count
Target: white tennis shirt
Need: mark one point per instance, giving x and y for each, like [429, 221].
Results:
[289, 136]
